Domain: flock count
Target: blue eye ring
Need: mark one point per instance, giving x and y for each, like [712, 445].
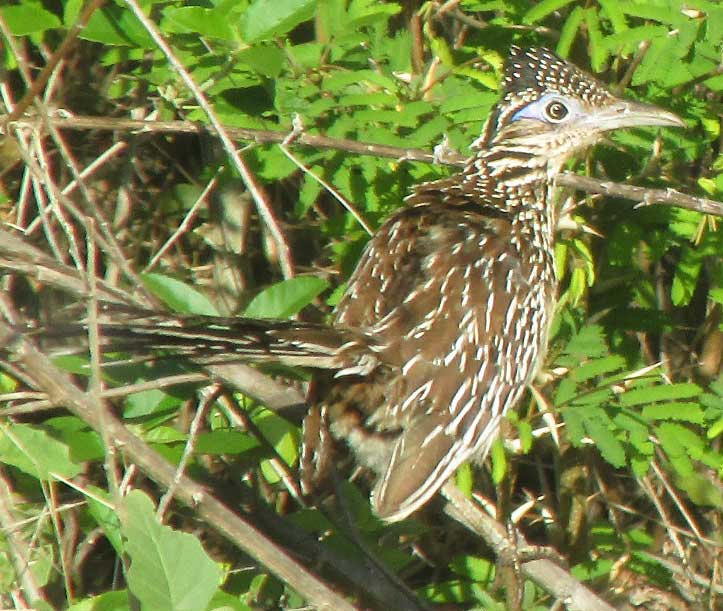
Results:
[551, 108]
[556, 111]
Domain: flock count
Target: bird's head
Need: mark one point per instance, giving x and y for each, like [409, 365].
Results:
[550, 109]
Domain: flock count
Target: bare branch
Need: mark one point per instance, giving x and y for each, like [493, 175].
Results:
[645, 196]
[236, 528]
[556, 580]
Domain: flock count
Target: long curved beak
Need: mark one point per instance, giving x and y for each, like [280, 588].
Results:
[623, 113]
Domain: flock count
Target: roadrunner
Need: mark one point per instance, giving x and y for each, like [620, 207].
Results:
[445, 320]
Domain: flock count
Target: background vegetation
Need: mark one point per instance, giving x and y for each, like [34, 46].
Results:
[614, 461]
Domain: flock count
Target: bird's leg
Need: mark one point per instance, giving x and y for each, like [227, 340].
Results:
[509, 571]
[519, 551]
[317, 450]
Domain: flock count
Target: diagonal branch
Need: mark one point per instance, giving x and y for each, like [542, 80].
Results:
[237, 529]
[552, 577]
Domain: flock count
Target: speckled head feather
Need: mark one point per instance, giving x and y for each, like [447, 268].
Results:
[530, 73]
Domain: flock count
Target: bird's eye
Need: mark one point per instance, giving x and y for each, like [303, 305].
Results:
[556, 111]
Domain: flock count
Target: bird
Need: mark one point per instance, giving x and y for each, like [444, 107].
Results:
[445, 320]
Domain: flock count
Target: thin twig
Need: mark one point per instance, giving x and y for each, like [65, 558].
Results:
[16, 549]
[206, 401]
[258, 136]
[252, 185]
[646, 197]
[334, 192]
[185, 224]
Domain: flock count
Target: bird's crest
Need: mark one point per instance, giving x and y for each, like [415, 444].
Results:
[530, 73]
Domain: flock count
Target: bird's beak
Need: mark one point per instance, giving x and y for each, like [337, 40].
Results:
[624, 113]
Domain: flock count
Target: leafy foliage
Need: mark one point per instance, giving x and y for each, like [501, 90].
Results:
[630, 464]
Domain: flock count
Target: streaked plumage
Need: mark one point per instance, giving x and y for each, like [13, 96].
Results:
[445, 319]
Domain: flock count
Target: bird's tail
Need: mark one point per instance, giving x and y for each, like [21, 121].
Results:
[213, 340]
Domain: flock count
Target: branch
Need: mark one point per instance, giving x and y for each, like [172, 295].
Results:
[645, 196]
[552, 577]
[259, 136]
[235, 528]
[253, 186]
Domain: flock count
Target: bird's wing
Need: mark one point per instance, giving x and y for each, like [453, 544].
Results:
[446, 312]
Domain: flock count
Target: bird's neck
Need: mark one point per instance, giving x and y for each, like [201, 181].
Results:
[501, 181]
[514, 183]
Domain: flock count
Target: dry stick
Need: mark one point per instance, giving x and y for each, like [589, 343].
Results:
[110, 246]
[643, 195]
[552, 577]
[332, 191]
[240, 419]
[33, 90]
[19, 256]
[238, 530]
[201, 411]
[259, 136]
[38, 401]
[185, 224]
[254, 187]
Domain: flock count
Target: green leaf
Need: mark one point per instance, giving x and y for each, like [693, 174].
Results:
[598, 50]
[661, 392]
[165, 435]
[117, 600]
[612, 10]
[588, 343]
[524, 430]
[283, 436]
[285, 298]
[35, 452]
[178, 295]
[110, 25]
[543, 9]
[225, 442]
[170, 571]
[600, 429]
[597, 368]
[475, 569]
[676, 410]
[715, 429]
[679, 444]
[569, 31]
[211, 23]
[269, 18]
[686, 277]
[499, 461]
[464, 479]
[146, 402]
[28, 18]
[701, 490]
[574, 423]
[105, 515]
[7, 383]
